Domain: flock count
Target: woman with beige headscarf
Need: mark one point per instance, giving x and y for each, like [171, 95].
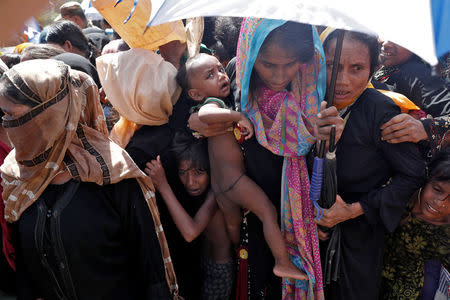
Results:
[83, 230]
[141, 86]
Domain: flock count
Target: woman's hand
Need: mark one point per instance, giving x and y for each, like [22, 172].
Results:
[155, 170]
[246, 126]
[327, 117]
[323, 236]
[339, 212]
[403, 128]
[172, 52]
[208, 130]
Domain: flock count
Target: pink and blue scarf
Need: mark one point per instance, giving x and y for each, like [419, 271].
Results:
[283, 124]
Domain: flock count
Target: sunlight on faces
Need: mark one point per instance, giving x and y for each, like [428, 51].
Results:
[393, 54]
[277, 67]
[207, 78]
[194, 180]
[354, 69]
[435, 201]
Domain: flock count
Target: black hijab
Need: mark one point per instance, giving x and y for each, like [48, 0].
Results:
[80, 63]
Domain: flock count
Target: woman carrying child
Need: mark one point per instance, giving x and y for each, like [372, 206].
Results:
[205, 80]
[281, 73]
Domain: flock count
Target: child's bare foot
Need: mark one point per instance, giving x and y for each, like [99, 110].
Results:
[289, 270]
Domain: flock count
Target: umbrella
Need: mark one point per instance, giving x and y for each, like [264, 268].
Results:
[418, 25]
[327, 199]
[317, 174]
[329, 188]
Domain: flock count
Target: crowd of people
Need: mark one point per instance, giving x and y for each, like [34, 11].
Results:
[139, 174]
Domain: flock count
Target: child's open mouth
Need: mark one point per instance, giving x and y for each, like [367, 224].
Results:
[225, 87]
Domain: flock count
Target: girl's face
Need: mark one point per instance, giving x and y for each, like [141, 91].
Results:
[435, 201]
[276, 67]
[354, 70]
[195, 181]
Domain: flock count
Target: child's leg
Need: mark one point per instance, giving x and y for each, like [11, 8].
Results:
[231, 212]
[248, 194]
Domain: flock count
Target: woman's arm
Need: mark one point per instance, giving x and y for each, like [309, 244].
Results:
[211, 113]
[339, 212]
[189, 227]
[403, 128]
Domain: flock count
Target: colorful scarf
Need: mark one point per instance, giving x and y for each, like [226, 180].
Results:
[283, 124]
[65, 131]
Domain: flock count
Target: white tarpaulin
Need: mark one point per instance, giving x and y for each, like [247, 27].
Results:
[407, 23]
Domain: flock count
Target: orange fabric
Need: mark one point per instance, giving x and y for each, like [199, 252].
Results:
[401, 100]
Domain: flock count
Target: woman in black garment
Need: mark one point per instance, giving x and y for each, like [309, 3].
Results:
[375, 178]
[83, 227]
[262, 165]
[141, 86]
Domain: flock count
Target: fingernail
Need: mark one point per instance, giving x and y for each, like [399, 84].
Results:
[319, 115]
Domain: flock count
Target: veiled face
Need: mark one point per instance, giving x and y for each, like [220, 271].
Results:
[276, 67]
[11, 109]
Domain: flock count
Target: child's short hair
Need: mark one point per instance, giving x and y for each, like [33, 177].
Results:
[183, 75]
[187, 147]
[439, 167]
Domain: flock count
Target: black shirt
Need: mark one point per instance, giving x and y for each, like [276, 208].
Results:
[84, 241]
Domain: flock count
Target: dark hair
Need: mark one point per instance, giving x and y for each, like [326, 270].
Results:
[226, 35]
[187, 147]
[41, 51]
[182, 77]
[64, 30]
[292, 36]
[221, 52]
[370, 41]
[10, 92]
[208, 31]
[10, 59]
[74, 11]
[439, 167]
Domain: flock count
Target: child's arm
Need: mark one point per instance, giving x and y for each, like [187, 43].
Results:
[189, 227]
[211, 113]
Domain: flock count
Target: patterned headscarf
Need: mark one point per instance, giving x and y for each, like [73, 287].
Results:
[65, 131]
[283, 124]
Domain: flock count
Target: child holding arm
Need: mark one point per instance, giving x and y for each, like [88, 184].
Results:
[191, 156]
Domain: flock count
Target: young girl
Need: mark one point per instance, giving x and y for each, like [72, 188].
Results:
[205, 80]
[192, 160]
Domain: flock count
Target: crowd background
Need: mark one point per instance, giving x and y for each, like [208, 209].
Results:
[391, 113]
